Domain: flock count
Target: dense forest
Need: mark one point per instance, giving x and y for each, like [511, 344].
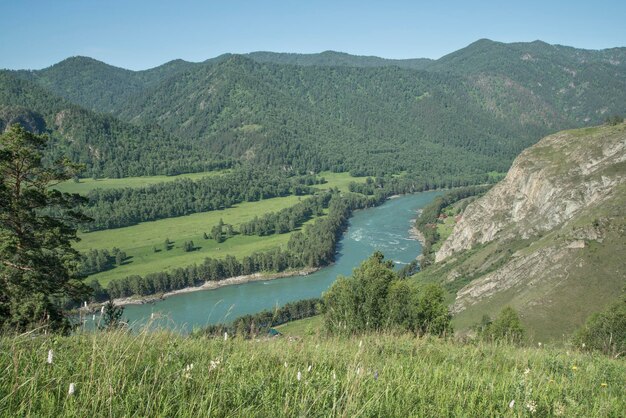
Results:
[467, 113]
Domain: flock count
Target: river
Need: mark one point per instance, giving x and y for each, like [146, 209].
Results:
[384, 228]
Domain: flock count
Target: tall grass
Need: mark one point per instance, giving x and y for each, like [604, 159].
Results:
[165, 374]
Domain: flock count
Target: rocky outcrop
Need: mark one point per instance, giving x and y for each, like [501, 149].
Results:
[548, 240]
[548, 184]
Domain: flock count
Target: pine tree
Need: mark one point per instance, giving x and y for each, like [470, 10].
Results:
[37, 226]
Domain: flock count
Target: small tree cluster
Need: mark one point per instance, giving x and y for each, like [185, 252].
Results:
[605, 331]
[507, 327]
[375, 298]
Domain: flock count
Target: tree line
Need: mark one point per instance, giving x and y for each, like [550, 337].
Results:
[260, 323]
[114, 208]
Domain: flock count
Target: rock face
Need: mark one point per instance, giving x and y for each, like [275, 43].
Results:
[554, 226]
[548, 184]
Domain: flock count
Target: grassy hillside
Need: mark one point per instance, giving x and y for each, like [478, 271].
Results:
[554, 227]
[161, 374]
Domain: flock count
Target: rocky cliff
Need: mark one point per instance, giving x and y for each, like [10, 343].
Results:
[550, 239]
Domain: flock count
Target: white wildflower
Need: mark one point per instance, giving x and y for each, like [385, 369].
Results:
[334, 375]
[512, 404]
[310, 367]
[531, 406]
[94, 317]
[225, 336]
[152, 315]
[50, 356]
[583, 345]
[102, 310]
[214, 364]
[539, 344]
[360, 343]
[358, 371]
[527, 371]
[72, 389]
[285, 365]
[299, 375]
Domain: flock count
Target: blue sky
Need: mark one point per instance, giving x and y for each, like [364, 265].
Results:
[139, 34]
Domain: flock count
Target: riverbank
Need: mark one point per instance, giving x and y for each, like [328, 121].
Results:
[211, 285]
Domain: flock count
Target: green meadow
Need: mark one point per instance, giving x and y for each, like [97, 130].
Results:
[138, 241]
[163, 374]
[84, 186]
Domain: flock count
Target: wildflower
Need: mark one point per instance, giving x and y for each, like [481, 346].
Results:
[358, 371]
[334, 375]
[551, 381]
[531, 406]
[189, 367]
[512, 404]
[299, 376]
[539, 344]
[527, 371]
[574, 368]
[94, 317]
[583, 345]
[225, 336]
[310, 367]
[72, 389]
[152, 315]
[102, 310]
[603, 385]
[360, 343]
[559, 409]
[214, 364]
[50, 355]
[285, 365]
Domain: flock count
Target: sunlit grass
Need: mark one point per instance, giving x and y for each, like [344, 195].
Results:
[164, 374]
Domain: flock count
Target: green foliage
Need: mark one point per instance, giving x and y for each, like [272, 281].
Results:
[111, 317]
[158, 374]
[605, 331]
[374, 298]
[259, 324]
[506, 327]
[37, 227]
[614, 120]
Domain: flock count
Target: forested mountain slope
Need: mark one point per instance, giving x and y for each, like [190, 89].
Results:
[466, 114]
[548, 239]
[96, 85]
[365, 120]
[109, 147]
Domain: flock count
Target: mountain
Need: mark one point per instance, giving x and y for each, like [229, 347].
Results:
[459, 117]
[366, 120]
[98, 86]
[108, 146]
[337, 59]
[578, 84]
[548, 239]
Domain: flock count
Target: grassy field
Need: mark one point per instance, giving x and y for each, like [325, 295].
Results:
[339, 180]
[376, 375]
[138, 240]
[84, 186]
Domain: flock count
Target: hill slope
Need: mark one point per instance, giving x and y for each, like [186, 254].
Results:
[548, 239]
[108, 146]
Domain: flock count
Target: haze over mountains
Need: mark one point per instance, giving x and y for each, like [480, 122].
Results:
[462, 116]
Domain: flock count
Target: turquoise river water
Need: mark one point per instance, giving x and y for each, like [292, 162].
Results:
[384, 228]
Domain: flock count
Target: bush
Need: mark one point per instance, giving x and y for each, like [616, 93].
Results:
[374, 299]
[507, 327]
[605, 331]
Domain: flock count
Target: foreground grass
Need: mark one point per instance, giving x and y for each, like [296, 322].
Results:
[84, 186]
[138, 241]
[162, 374]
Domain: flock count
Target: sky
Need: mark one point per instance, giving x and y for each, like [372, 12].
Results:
[140, 34]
